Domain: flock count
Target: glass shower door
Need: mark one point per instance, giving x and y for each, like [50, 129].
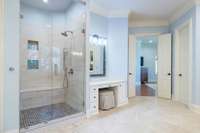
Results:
[52, 62]
[68, 61]
[68, 75]
[78, 66]
[35, 69]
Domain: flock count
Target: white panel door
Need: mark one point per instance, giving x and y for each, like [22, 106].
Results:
[183, 66]
[164, 66]
[132, 73]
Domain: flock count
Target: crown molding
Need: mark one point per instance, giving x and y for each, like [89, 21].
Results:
[180, 11]
[106, 13]
[148, 23]
[122, 13]
[95, 8]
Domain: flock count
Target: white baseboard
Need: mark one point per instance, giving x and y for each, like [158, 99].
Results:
[122, 103]
[195, 108]
[13, 131]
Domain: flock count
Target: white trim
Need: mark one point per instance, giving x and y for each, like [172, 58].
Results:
[119, 14]
[132, 63]
[177, 44]
[195, 108]
[1, 64]
[147, 34]
[141, 23]
[180, 11]
[147, 23]
[124, 102]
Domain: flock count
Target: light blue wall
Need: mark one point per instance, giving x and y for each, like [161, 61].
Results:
[196, 91]
[98, 25]
[11, 79]
[191, 14]
[161, 29]
[116, 31]
[118, 48]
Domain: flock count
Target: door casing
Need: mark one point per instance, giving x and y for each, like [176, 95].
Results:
[132, 66]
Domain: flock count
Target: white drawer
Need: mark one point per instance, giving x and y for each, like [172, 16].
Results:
[93, 107]
[94, 90]
[93, 97]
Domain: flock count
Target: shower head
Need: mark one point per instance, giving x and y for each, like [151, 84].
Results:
[66, 33]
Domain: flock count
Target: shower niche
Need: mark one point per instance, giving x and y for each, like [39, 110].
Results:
[52, 60]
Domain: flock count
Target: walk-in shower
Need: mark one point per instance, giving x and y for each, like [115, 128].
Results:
[52, 60]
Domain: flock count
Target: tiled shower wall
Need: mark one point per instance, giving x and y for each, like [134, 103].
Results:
[44, 86]
[44, 27]
[40, 98]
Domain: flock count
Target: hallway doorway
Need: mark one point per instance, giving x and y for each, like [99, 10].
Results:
[147, 74]
[146, 65]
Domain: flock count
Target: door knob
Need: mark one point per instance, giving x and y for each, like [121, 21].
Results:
[11, 69]
[71, 71]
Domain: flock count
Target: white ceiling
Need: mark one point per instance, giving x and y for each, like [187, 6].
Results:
[140, 9]
[52, 5]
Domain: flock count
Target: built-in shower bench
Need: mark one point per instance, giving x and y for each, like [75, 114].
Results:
[120, 91]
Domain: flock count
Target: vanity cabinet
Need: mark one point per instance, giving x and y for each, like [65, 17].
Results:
[93, 103]
[120, 92]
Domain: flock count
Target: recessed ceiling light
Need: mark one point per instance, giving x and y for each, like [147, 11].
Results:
[45, 1]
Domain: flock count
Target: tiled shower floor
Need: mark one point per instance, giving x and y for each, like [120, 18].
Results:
[44, 114]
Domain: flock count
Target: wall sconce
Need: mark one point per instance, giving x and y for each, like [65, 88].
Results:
[96, 39]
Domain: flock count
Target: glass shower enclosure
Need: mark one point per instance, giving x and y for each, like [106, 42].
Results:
[52, 60]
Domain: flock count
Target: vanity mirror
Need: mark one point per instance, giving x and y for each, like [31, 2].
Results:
[97, 55]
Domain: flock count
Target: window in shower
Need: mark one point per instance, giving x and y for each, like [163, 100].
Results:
[52, 61]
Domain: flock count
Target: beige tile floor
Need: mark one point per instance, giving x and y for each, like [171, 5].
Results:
[141, 115]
